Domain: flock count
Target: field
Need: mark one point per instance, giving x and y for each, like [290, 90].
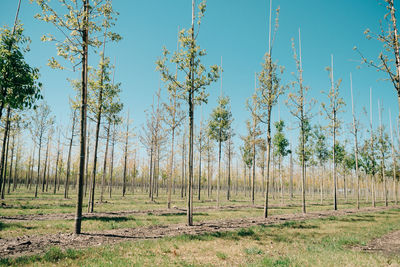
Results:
[133, 231]
[130, 136]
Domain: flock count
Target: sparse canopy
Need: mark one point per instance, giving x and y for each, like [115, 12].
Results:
[220, 121]
[280, 142]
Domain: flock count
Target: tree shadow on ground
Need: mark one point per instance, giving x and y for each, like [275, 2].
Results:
[107, 219]
[4, 226]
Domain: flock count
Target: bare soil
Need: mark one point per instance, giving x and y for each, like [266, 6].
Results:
[388, 244]
[116, 214]
[36, 244]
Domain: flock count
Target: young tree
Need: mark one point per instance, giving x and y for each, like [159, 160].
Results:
[332, 109]
[281, 148]
[338, 156]
[41, 121]
[368, 160]
[219, 128]
[209, 147]
[394, 159]
[322, 154]
[383, 144]
[192, 89]
[247, 156]
[71, 142]
[79, 23]
[355, 133]
[200, 147]
[57, 161]
[173, 118]
[300, 108]
[103, 99]
[268, 92]
[254, 131]
[126, 152]
[229, 153]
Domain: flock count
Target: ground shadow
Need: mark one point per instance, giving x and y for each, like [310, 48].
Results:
[4, 225]
[107, 219]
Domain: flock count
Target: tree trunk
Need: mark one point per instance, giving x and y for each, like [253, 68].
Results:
[5, 166]
[103, 180]
[280, 178]
[229, 170]
[112, 161]
[44, 182]
[12, 178]
[253, 182]
[87, 163]
[208, 168]
[219, 168]
[125, 156]
[69, 157]
[57, 160]
[85, 37]
[17, 159]
[268, 161]
[199, 180]
[3, 151]
[183, 166]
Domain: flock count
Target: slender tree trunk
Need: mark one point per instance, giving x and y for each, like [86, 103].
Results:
[3, 151]
[151, 178]
[38, 168]
[125, 156]
[373, 191]
[31, 171]
[268, 157]
[44, 182]
[280, 178]
[291, 173]
[199, 179]
[66, 187]
[57, 162]
[345, 184]
[48, 171]
[229, 170]
[87, 163]
[17, 159]
[112, 160]
[183, 166]
[81, 176]
[322, 184]
[394, 158]
[244, 179]
[5, 166]
[219, 168]
[12, 178]
[355, 132]
[208, 168]
[385, 191]
[253, 182]
[103, 180]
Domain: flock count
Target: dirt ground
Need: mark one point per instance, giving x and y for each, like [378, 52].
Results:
[116, 214]
[35, 244]
[388, 244]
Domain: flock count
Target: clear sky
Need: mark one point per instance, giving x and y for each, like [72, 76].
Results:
[237, 31]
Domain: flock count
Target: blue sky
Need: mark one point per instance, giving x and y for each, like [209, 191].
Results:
[237, 31]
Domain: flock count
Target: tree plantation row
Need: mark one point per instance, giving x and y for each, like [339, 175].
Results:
[99, 154]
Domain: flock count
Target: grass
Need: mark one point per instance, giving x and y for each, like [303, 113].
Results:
[316, 242]
[23, 203]
[325, 241]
